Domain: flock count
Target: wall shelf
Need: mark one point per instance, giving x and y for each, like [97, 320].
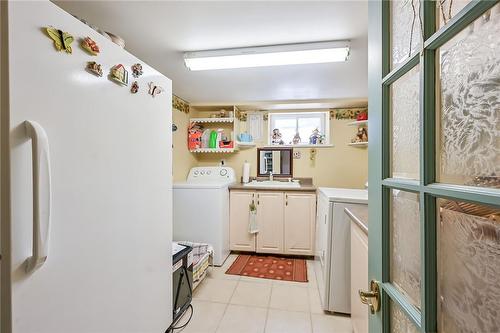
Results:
[359, 144]
[213, 150]
[245, 144]
[212, 120]
[358, 123]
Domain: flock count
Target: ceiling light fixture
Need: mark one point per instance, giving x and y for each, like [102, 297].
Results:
[276, 55]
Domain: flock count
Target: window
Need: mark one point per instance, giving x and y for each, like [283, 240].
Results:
[299, 128]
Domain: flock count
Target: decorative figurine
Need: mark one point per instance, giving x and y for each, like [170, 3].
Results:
[361, 136]
[316, 137]
[276, 137]
[194, 136]
[136, 70]
[154, 89]
[94, 68]
[296, 139]
[90, 46]
[119, 74]
[62, 40]
[134, 88]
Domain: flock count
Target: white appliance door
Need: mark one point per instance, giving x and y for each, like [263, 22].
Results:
[340, 261]
[108, 265]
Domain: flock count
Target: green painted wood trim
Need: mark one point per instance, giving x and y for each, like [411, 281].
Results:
[428, 213]
[402, 69]
[402, 301]
[402, 184]
[466, 16]
[375, 73]
[428, 250]
[478, 195]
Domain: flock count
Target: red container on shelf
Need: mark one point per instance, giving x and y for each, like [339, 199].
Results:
[362, 116]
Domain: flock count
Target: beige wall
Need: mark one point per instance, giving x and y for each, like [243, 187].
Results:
[338, 166]
[183, 160]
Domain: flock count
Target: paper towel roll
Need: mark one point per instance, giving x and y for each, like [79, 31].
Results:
[246, 172]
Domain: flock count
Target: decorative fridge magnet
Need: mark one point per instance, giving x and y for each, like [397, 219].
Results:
[134, 88]
[119, 74]
[154, 89]
[62, 40]
[94, 68]
[136, 70]
[90, 46]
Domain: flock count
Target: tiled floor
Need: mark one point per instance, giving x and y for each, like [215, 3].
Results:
[233, 304]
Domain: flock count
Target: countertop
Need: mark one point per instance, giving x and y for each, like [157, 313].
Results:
[359, 215]
[306, 185]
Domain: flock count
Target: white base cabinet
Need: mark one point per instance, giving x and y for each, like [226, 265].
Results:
[286, 222]
[359, 278]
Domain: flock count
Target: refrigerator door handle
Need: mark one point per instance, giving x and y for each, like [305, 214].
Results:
[41, 194]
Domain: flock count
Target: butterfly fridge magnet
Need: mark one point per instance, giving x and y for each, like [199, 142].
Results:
[62, 40]
[154, 89]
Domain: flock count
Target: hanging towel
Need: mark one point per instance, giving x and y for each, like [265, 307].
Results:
[253, 228]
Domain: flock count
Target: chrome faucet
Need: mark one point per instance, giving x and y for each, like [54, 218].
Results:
[270, 176]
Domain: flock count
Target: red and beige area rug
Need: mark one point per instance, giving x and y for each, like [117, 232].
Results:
[270, 267]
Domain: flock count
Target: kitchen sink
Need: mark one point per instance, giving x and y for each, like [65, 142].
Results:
[273, 183]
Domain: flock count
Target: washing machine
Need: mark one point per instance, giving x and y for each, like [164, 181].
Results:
[201, 209]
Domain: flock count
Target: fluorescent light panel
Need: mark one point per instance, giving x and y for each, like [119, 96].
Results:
[279, 55]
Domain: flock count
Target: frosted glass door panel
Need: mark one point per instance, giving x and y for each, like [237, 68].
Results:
[405, 125]
[469, 104]
[405, 30]
[405, 244]
[468, 267]
[447, 9]
[400, 322]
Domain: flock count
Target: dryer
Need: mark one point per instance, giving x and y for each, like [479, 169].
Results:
[201, 209]
[332, 259]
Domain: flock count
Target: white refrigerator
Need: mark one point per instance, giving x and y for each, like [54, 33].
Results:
[86, 184]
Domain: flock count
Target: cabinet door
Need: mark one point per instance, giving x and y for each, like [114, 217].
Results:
[239, 211]
[300, 216]
[270, 221]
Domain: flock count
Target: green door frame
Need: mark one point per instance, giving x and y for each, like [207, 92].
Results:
[380, 77]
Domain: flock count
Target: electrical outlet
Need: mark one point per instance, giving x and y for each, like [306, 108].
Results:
[296, 155]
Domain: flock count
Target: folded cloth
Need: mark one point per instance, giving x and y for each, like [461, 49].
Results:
[253, 227]
[199, 250]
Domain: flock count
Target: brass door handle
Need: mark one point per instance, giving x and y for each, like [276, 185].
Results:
[372, 297]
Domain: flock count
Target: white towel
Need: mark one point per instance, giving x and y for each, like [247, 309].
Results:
[253, 228]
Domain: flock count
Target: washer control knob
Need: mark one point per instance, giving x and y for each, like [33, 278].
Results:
[223, 172]
[196, 173]
[208, 172]
[202, 172]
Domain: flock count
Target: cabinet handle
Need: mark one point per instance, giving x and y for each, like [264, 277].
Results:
[286, 199]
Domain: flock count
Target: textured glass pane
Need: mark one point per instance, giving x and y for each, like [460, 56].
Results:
[405, 125]
[447, 9]
[469, 130]
[405, 244]
[468, 267]
[400, 322]
[405, 29]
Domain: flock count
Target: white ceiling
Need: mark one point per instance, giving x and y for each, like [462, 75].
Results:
[159, 32]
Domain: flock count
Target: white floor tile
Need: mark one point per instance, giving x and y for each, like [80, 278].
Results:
[256, 280]
[280, 321]
[315, 301]
[323, 323]
[220, 273]
[206, 317]
[289, 297]
[253, 294]
[243, 319]
[215, 290]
